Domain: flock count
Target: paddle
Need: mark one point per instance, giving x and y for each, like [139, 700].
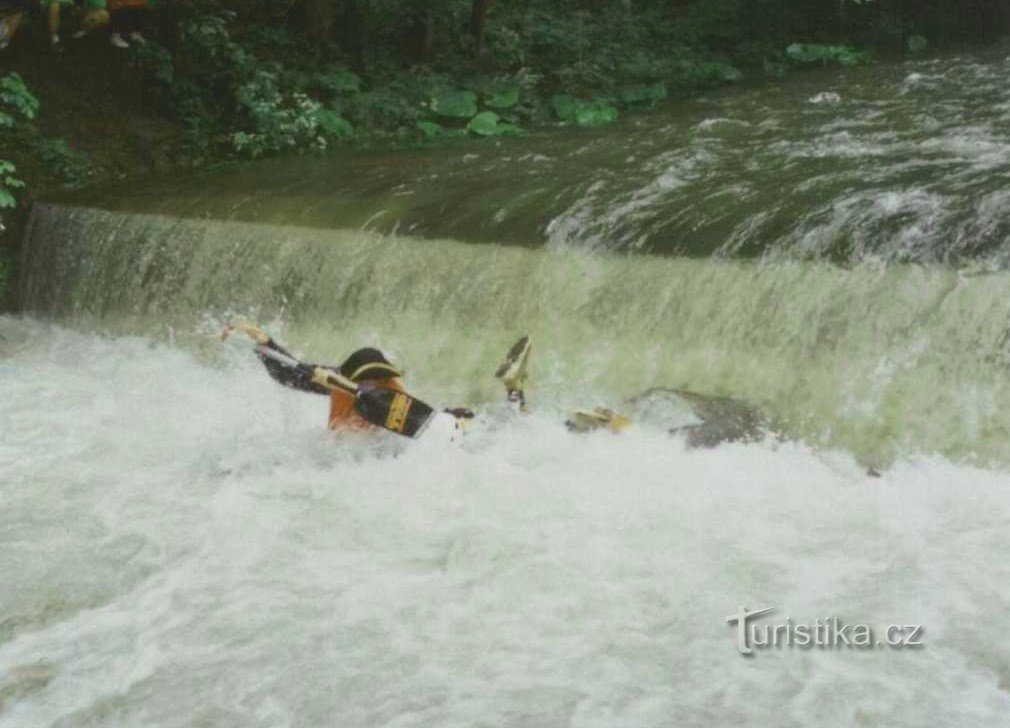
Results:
[386, 408]
[512, 372]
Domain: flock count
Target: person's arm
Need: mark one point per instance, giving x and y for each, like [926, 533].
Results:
[296, 378]
[299, 378]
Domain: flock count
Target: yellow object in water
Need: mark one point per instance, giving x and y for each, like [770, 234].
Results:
[597, 419]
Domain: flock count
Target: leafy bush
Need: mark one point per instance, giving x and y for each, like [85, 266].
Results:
[8, 183]
[455, 104]
[502, 94]
[17, 99]
[488, 123]
[595, 112]
[17, 105]
[244, 80]
[70, 166]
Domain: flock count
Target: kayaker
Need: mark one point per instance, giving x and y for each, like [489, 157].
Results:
[368, 368]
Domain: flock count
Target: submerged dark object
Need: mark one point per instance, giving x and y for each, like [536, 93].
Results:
[706, 420]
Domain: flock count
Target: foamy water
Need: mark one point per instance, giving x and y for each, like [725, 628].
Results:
[185, 545]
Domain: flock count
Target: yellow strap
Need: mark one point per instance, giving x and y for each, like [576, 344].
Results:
[398, 410]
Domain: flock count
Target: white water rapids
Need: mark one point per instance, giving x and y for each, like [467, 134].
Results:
[184, 545]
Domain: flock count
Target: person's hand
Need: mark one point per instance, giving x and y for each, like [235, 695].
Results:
[333, 380]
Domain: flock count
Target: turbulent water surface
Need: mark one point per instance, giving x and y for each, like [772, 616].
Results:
[184, 544]
[904, 162]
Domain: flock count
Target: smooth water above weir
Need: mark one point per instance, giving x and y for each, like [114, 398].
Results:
[898, 162]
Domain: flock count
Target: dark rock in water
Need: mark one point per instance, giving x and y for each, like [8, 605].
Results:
[706, 420]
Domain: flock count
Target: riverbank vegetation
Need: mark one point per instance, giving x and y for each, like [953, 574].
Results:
[225, 79]
[250, 77]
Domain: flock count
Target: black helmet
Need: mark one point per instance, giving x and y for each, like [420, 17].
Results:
[367, 365]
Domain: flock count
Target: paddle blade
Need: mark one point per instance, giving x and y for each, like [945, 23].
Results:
[513, 369]
[394, 411]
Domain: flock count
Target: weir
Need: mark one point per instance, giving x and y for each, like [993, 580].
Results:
[882, 360]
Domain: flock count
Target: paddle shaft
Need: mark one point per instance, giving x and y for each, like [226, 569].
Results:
[324, 377]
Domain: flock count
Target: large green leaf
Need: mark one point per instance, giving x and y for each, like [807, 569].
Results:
[502, 95]
[566, 107]
[488, 123]
[597, 113]
[6, 199]
[430, 129]
[334, 124]
[455, 104]
[485, 123]
[584, 113]
[15, 95]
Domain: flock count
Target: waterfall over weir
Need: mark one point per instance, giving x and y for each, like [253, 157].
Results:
[882, 360]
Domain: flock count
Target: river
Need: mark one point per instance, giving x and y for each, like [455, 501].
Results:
[184, 543]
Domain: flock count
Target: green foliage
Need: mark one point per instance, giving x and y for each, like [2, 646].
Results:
[596, 112]
[71, 166]
[430, 130]
[17, 106]
[565, 107]
[455, 104]
[155, 59]
[484, 124]
[332, 123]
[502, 94]
[8, 182]
[337, 81]
[917, 43]
[275, 121]
[252, 77]
[488, 123]
[224, 92]
[16, 97]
